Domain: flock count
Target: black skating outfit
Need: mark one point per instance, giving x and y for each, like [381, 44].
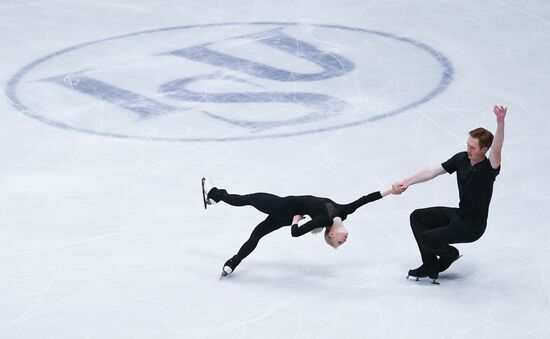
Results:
[434, 228]
[281, 210]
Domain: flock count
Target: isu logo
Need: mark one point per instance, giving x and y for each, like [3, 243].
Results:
[233, 81]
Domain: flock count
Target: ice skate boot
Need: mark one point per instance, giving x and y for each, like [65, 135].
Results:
[228, 268]
[424, 271]
[206, 188]
[226, 271]
[447, 259]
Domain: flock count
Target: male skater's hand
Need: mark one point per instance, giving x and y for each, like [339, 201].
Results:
[500, 112]
[399, 187]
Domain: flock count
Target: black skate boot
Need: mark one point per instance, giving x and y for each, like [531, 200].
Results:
[448, 258]
[431, 271]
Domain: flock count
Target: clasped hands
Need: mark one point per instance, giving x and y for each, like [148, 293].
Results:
[399, 187]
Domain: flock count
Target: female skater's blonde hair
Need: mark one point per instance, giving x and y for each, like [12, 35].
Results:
[327, 231]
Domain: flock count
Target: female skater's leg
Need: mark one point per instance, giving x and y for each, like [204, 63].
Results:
[264, 202]
[265, 227]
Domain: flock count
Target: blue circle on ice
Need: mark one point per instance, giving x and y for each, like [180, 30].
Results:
[230, 81]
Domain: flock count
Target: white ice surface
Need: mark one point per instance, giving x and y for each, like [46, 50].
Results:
[102, 237]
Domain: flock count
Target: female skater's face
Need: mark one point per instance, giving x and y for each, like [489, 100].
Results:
[338, 234]
[339, 238]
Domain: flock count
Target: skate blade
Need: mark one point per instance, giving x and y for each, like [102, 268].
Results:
[433, 280]
[224, 274]
[204, 199]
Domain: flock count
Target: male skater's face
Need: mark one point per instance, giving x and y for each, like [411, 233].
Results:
[475, 154]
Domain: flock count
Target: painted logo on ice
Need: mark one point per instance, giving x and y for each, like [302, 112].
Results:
[230, 81]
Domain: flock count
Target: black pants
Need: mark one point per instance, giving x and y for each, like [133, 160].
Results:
[434, 228]
[274, 206]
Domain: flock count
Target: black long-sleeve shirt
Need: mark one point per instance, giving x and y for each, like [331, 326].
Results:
[323, 210]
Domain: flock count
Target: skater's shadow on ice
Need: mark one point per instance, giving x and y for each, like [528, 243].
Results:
[207, 264]
[282, 272]
[292, 268]
[458, 272]
[451, 276]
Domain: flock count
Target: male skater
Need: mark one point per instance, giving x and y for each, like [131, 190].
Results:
[434, 228]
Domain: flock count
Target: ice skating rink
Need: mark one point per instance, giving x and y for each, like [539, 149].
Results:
[111, 112]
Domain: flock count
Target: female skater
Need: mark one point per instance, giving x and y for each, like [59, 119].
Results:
[285, 211]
